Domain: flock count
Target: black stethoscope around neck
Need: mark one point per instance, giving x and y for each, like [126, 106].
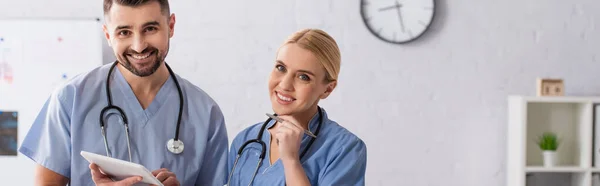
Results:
[174, 145]
[263, 146]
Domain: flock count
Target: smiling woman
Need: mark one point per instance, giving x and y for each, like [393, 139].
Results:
[305, 71]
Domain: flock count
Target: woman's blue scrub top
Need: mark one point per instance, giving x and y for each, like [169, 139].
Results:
[337, 157]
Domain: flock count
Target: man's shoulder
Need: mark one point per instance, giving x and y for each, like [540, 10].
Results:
[92, 79]
[194, 93]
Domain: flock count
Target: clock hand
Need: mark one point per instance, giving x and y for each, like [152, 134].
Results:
[388, 8]
[401, 21]
[400, 15]
[397, 6]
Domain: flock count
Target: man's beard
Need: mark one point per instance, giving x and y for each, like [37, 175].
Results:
[145, 71]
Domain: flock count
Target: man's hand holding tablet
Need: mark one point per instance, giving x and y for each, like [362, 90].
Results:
[111, 171]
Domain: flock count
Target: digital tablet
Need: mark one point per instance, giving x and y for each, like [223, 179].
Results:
[119, 169]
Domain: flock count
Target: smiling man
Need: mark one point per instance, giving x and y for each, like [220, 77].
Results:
[135, 109]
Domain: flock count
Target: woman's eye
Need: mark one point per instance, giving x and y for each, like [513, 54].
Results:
[304, 77]
[280, 68]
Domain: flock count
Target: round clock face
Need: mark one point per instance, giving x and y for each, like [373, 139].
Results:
[397, 21]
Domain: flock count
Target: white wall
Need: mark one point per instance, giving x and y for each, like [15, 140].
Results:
[431, 112]
[26, 46]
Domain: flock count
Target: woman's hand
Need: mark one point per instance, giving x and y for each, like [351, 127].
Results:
[289, 135]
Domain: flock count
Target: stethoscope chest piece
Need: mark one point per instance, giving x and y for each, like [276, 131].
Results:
[176, 147]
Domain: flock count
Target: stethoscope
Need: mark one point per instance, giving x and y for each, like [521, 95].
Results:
[264, 146]
[173, 145]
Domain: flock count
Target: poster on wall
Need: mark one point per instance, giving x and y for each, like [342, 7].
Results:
[6, 69]
[8, 133]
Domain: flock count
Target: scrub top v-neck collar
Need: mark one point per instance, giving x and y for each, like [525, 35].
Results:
[132, 102]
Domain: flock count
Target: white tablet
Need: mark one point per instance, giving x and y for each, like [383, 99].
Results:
[119, 169]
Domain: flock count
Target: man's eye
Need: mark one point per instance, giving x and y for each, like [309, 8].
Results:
[150, 29]
[124, 33]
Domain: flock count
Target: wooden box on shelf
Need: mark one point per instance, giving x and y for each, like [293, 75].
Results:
[550, 87]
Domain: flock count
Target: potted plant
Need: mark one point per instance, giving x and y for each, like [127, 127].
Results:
[548, 143]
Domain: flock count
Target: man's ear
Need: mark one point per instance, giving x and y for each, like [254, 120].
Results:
[171, 25]
[106, 34]
[330, 87]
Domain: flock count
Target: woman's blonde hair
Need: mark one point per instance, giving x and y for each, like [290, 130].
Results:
[323, 46]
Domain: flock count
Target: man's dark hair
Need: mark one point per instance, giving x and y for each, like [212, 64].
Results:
[164, 4]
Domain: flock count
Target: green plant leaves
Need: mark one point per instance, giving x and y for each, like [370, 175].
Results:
[548, 141]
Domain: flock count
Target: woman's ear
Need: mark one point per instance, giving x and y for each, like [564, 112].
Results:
[330, 87]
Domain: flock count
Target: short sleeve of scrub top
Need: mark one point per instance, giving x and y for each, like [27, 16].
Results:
[49, 141]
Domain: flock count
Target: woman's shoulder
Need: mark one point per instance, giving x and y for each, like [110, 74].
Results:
[248, 133]
[338, 135]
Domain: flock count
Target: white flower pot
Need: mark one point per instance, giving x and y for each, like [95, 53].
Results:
[549, 158]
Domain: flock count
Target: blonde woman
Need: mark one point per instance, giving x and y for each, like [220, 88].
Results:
[305, 71]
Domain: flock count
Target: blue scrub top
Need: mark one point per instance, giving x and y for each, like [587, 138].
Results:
[69, 123]
[336, 157]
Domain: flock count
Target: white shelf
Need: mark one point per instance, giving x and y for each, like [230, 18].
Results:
[556, 99]
[535, 169]
[572, 119]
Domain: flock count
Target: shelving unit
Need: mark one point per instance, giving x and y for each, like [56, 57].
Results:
[573, 120]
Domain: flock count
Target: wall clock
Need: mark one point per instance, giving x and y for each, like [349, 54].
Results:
[397, 21]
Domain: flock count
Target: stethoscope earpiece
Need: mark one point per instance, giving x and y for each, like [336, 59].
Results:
[176, 147]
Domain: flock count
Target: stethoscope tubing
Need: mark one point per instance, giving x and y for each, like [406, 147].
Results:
[124, 116]
[264, 147]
